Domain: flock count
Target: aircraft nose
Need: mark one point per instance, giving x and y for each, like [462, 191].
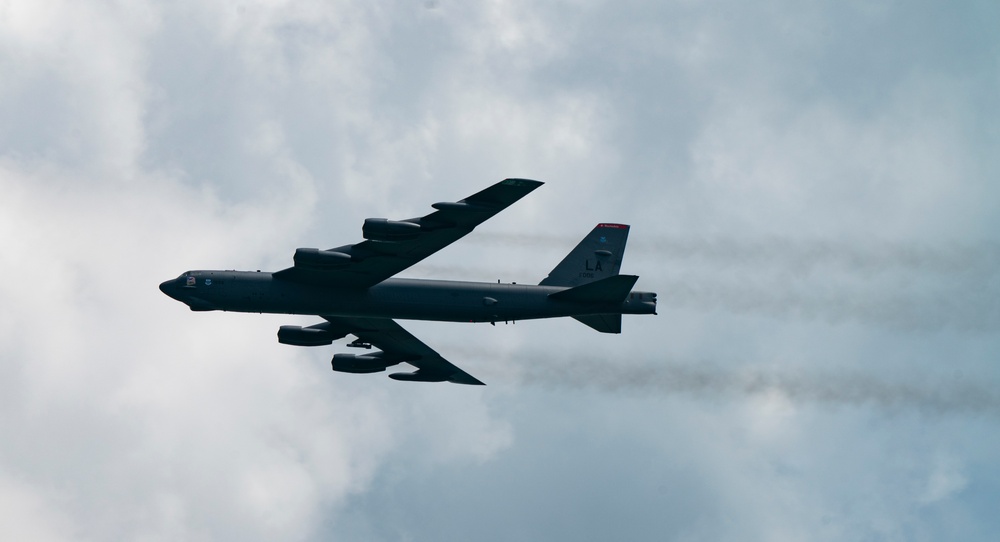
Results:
[167, 288]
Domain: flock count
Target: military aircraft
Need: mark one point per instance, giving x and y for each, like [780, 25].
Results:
[351, 289]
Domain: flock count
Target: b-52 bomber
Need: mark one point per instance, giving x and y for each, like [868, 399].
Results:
[351, 288]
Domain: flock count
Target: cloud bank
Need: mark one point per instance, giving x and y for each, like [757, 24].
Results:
[812, 192]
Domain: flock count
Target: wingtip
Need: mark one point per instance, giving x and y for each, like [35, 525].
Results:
[466, 379]
[518, 181]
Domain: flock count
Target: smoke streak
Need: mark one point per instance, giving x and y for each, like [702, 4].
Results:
[892, 285]
[961, 308]
[801, 255]
[706, 380]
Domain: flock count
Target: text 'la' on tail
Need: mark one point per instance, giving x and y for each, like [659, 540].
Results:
[598, 256]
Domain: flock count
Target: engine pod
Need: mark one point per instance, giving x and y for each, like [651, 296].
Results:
[305, 336]
[366, 363]
[314, 257]
[383, 229]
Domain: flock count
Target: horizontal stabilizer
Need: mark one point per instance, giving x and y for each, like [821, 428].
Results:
[610, 290]
[605, 323]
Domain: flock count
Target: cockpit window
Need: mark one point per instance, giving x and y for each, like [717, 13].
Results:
[189, 281]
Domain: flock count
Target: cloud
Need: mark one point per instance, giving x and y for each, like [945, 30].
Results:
[135, 418]
[787, 170]
[945, 481]
[155, 421]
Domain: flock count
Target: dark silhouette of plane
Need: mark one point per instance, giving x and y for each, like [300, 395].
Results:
[351, 289]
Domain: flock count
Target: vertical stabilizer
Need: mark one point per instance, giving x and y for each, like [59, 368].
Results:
[597, 257]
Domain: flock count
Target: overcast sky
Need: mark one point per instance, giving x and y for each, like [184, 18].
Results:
[814, 193]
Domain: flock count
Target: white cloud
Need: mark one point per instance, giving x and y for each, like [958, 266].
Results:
[141, 140]
[31, 512]
[151, 421]
[945, 481]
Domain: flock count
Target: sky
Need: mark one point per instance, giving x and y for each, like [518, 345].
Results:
[813, 193]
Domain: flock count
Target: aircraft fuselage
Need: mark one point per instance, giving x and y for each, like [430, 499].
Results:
[408, 299]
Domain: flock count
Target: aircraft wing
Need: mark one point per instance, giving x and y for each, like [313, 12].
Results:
[392, 246]
[398, 345]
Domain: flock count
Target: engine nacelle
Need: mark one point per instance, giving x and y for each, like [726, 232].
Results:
[305, 336]
[417, 377]
[314, 257]
[383, 229]
[462, 207]
[365, 363]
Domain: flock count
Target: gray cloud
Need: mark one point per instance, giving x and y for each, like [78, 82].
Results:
[763, 150]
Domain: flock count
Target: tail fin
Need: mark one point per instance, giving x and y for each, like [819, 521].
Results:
[598, 256]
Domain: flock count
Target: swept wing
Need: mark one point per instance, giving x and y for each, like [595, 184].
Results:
[392, 246]
[397, 345]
